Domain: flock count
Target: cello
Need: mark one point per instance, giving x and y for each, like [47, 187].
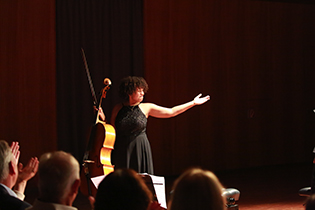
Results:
[96, 160]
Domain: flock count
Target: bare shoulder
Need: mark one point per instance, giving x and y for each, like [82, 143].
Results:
[146, 105]
[145, 108]
[149, 106]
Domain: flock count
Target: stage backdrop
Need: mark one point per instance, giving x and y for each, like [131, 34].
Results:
[255, 58]
[27, 75]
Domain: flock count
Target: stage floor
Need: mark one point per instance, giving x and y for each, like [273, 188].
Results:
[270, 187]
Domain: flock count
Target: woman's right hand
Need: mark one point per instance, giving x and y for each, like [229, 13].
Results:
[100, 113]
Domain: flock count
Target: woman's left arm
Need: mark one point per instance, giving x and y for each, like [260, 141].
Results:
[154, 110]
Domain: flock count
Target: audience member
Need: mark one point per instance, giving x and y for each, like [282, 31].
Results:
[124, 189]
[59, 181]
[313, 174]
[197, 189]
[310, 203]
[14, 176]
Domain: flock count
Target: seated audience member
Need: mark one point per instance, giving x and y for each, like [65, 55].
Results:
[14, 176]
[197, 189]
[313, 174]
[124, 189]
[58, 181]
[310, 203]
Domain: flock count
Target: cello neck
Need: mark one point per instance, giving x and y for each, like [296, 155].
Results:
[103, 95]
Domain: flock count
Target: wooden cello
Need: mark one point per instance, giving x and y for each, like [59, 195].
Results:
[97, 157]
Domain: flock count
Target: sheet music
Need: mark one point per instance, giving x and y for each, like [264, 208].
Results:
[159, 187]
[97, 180]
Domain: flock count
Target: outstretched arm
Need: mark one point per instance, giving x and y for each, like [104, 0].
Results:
[162, 112]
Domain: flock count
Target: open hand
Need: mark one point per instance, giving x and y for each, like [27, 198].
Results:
[101, 114]
[29, 170]
[15, 148]
[24, 174]
[198, 100]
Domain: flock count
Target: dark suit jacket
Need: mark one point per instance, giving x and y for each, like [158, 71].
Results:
[8, 202]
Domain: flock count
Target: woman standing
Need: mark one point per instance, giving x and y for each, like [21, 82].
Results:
[132, 148]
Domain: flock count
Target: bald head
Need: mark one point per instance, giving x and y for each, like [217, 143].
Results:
[57, 171]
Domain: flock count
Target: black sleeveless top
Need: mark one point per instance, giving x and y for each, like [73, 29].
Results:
[132, 148]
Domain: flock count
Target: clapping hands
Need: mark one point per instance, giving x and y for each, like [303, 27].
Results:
[24, 173]
[29, 170]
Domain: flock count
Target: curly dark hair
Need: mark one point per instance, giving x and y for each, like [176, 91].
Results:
[130, 84]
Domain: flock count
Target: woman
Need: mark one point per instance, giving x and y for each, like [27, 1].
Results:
[132, 148]
[197, 189]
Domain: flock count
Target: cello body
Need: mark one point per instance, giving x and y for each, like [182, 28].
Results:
[97, 161]
[97, 157]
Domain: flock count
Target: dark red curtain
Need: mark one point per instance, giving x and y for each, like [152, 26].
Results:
[110, 32]
[255, 58]
[27, 75]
